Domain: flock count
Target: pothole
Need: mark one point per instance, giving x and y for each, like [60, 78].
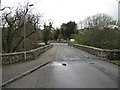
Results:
[64, 64]
[92, 63]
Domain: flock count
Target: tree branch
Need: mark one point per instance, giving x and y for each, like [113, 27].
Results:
[22, 40]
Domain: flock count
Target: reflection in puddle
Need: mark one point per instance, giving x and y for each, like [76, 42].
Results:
[57, 63]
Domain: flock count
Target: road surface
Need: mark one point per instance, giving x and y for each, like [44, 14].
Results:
[71, 68]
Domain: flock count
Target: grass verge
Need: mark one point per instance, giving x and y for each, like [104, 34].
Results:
[116, 62]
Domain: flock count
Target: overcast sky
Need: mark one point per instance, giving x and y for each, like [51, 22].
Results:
[62, 11]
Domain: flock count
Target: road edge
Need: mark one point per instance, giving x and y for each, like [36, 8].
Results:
[110, 61]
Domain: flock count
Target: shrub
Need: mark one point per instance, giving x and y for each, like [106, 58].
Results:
[105, 38]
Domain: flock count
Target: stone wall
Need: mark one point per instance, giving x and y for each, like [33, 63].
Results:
[10, 58]
[102, 53]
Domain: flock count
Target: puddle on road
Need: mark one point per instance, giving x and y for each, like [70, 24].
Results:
[59, 64]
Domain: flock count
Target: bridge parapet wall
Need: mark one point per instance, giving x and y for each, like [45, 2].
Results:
[10, 58]
[102, 53]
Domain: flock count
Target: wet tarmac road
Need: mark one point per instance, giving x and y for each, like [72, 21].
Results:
[71, 68]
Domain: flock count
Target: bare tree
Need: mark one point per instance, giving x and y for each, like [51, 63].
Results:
[98, 21]
[13, 24]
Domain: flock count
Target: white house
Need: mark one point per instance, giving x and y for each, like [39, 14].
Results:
[112, 26]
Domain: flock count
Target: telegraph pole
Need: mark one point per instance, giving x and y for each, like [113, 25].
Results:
[25, 33]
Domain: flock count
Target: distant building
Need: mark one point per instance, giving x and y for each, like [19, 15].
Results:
[113, 26]
[72, 40]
